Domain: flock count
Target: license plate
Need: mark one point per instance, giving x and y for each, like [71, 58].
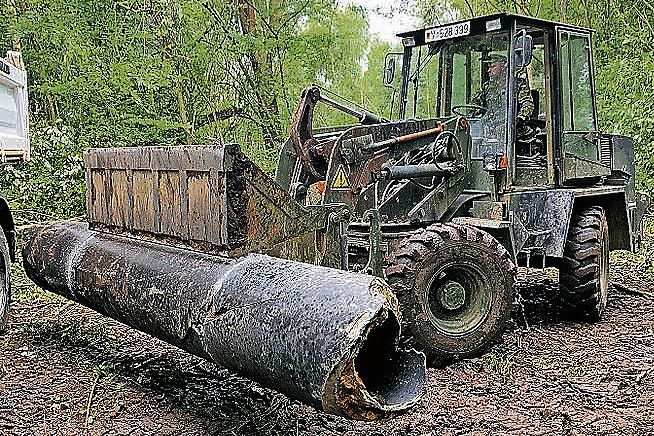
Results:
[447, 32]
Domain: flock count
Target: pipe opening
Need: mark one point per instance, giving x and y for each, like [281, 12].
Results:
[383, 378]
[378, 356]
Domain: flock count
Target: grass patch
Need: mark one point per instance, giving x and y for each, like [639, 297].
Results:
[502, 365]
[71, 332]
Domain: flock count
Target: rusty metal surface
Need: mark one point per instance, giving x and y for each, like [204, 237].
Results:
[326, 337]
[301, 134]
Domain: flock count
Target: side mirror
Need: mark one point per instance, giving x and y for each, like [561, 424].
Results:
[524, 48]
[389, 69]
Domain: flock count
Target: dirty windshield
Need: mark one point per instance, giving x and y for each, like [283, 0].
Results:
[473, 79]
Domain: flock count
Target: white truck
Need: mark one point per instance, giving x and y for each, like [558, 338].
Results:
[14, 148]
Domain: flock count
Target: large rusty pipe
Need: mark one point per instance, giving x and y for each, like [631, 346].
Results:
[323, 336]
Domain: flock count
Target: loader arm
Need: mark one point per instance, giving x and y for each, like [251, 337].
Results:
[313, 153]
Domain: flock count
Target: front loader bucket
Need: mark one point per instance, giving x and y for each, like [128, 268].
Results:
[323, 336]
[207, 198]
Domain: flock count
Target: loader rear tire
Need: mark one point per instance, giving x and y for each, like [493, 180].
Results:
[5, 286]
[455, 285]
[584, 270]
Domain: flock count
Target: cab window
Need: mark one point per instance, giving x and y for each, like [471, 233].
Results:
[578, 110]
[475, 77]
[577, 96]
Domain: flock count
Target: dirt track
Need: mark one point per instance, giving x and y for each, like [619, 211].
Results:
[67, 370]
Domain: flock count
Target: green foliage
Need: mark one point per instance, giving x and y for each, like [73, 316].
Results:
[169, 72]
[642, 261]
[51, 184]
[24, 291]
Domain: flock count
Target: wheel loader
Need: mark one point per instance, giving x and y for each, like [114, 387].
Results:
[491, 158]
[496, 159]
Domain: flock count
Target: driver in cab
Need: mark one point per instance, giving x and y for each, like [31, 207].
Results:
[492, 95]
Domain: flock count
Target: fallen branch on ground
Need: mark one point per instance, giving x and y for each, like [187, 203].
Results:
[636, 292]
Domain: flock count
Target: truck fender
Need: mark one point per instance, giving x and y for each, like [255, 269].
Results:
[621, 216]
[462, 202]
[540, 221]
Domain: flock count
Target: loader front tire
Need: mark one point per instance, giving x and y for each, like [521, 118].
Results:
[455, 285]
[5, 287]
[584, 270]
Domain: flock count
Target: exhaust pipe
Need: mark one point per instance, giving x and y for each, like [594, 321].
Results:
[325, 337]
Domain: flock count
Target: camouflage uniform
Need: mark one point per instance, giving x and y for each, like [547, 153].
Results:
[525, 100]
[491, 96]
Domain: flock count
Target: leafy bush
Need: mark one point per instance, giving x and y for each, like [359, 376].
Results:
[51, 184]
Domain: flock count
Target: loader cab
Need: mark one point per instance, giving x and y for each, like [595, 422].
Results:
[526, 88]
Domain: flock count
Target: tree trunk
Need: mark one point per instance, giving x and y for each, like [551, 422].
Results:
[264, 76]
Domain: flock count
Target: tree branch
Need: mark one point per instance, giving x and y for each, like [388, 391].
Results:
[218, 115]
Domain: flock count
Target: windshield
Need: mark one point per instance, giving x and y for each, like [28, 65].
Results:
[422, 96]
[476, 77]
[466, 76]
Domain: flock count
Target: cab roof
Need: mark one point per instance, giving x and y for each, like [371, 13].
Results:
[480, 25]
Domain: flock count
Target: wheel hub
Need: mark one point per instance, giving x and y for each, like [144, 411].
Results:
[459, 298]
[452, 295]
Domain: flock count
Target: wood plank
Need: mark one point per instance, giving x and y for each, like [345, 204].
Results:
[183, 193]
[118, 205]
[198, 204]
[130, 199]
[142, 200]
[195, 158]
[90, 159]
[218, 208]
[90, 196]
[99, 198]
[156, 202]
[169, 195]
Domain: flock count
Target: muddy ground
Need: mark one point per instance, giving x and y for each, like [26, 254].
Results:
[66, 370]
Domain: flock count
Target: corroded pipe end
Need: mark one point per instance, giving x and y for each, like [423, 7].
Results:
[379, 378]
[48, 251]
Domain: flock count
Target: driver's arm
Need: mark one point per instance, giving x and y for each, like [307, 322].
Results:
[480, 99]
[525, 101]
